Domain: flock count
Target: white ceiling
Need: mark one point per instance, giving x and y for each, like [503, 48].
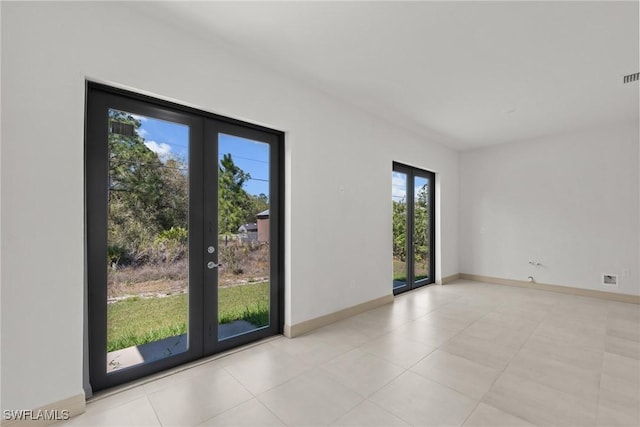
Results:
[477, 73]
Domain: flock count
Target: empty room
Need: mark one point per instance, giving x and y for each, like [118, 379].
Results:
[341, 213]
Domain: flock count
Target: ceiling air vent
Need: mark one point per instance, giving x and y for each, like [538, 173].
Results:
[631, 77]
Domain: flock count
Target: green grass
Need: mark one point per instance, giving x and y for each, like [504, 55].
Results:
[247, 302]
[399, 271]
[137, 321]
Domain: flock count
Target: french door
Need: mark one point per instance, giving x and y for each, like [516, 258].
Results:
[413, 198]
[184, 234]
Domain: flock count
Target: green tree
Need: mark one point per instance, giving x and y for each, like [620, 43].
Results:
[146, 196]
[134, 182]
[259, 203]
[173, 207]
[421, 222]
[399, 230]
[233, 201]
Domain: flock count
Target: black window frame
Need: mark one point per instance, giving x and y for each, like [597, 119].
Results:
[412, 172]
[95, 179]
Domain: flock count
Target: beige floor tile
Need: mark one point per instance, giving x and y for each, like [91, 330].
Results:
[515, 321]
[545, 347]
[198, 399]
[539, 404]
[551, 345]
[573, 333]
[422, 402]
[374, 326]
[410, 308]
[397, 350]
[625, 311]
[499, 333]
[609, 416]
[579, 323]
[138, 412]
[619, 391]
[341, 334]
[249, 413]
[462, 313]
[99, 404]
[586, 309]
[430, 301]
[313, 398]
[621, 367]
[485, 352]
[309, 349]
[623, 328]
[541, 299]
[463, 375]
[184, 375]
[487, 416]
[369, 414]
[422, 330]
[452, 318]
[264, 368]
[622, 347]
[362, 372]
[579, 382]
[527, 310]
[395, 313]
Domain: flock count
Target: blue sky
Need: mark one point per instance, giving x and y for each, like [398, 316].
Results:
[171, 140]
[250, 156]
[399, 185]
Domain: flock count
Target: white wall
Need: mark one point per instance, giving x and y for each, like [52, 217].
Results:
[338, 182]
[569, 202]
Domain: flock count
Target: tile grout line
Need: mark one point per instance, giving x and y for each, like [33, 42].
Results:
[501, 372]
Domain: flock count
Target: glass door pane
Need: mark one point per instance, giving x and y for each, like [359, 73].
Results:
[147, 239]
[400, 242]
[164, 285]
[413, 227]
[421, 243]
[243, 235]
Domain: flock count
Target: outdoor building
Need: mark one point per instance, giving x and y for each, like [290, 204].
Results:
[249, 232]
[263, 226]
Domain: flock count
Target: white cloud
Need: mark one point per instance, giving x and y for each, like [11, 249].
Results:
[398, 186]
[142, 132]
[162, 149]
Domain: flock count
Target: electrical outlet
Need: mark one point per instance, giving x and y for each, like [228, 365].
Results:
[610, 280]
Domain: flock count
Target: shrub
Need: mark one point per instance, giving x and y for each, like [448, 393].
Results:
[230, 257]
[117, 255]
[169, 246]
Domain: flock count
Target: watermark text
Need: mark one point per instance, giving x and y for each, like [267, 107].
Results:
[35, 414]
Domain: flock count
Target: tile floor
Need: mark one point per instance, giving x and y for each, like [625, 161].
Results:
[467, 353]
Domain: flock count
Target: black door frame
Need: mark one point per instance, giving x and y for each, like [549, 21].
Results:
[202, 335]
[411, 173]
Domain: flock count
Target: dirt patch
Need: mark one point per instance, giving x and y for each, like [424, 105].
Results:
[248, 264]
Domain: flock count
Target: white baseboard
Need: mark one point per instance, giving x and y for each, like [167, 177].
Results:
[450, 279]
[291, 331]
[570, 290]
[62, 409]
